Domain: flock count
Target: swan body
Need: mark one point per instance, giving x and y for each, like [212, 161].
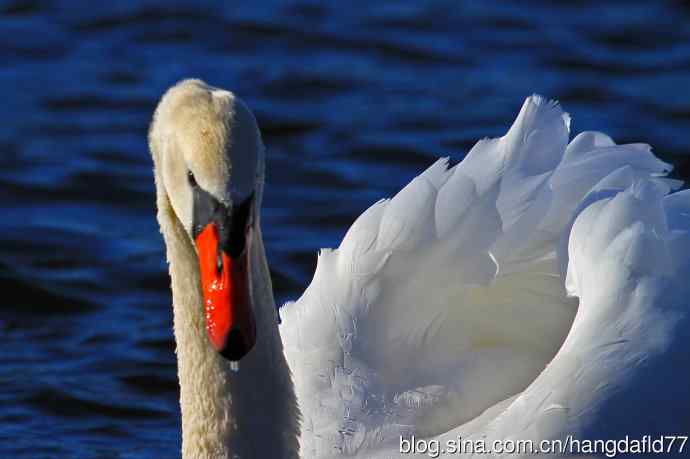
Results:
[534, 291]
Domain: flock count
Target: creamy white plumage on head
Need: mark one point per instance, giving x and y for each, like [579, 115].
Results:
[533, 291]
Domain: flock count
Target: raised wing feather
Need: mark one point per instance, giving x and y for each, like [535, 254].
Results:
[623, 371]
[450, 297]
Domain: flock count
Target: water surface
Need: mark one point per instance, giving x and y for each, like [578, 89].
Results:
[352, 101]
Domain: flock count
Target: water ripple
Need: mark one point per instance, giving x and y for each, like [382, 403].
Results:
[352, 103]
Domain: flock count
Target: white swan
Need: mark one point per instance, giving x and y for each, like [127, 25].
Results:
[534, 291]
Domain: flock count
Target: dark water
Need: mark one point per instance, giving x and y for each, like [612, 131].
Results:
[353, 101]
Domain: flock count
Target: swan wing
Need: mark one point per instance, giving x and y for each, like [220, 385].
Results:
[623, 370]
[451, 297]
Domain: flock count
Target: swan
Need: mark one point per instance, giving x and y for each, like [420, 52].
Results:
[536, 291]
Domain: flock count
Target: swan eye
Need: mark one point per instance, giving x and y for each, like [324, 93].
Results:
[191, 179]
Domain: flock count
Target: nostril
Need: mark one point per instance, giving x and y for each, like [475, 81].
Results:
[219, 263]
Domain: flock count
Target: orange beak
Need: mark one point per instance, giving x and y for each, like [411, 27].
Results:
[225, 282]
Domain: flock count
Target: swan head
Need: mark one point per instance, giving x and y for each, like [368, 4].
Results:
[209, 164]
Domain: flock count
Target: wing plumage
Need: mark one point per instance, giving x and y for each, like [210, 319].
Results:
[446, 301]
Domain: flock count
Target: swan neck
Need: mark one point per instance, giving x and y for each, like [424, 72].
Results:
[226, 414]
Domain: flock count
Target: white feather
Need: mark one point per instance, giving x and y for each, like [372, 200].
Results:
[441, 308]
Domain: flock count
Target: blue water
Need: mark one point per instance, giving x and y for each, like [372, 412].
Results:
[353, 101]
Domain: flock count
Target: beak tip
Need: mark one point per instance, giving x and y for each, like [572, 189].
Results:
[237, 345]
